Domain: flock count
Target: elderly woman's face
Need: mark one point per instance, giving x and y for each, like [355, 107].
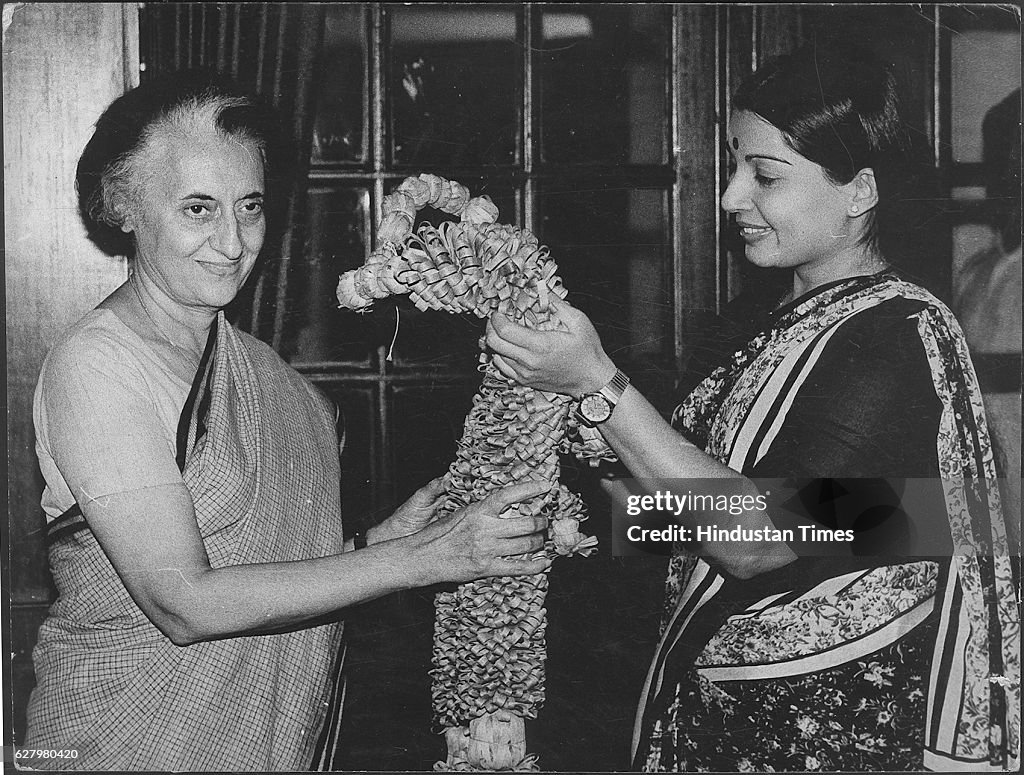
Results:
[200, 224]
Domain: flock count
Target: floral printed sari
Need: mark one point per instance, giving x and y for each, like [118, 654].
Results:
[825, 664]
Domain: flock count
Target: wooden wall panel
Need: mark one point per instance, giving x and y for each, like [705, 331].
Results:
[695, 140]
[754, 34]
[63, 63]
[777, 30]
[741, 45]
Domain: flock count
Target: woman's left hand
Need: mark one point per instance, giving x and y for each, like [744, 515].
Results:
[413, 515]
[568, 360]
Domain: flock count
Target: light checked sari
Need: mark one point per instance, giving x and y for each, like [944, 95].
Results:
[258, 452]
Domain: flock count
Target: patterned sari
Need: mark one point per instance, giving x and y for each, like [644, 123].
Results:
[827, 664]
[257, 450]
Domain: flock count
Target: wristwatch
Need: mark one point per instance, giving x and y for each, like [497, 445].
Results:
[594, 408]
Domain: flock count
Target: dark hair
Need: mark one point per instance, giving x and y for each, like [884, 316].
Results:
[835, 104]
[108, 178]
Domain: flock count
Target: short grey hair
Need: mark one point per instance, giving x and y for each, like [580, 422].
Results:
[109, 180]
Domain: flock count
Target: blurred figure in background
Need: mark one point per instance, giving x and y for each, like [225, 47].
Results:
[987, 300]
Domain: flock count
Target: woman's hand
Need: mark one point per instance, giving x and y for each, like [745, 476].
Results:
[475, 541]
[413, 515]
[568, 360]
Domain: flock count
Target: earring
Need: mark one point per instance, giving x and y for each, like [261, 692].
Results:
[854, 209]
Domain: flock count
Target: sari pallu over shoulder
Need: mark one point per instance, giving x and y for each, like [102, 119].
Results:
[258, 453]
[970, 719]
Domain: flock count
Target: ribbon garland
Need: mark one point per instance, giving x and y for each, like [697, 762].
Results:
[489, 646]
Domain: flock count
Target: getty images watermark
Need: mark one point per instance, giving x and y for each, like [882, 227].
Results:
[839, 516]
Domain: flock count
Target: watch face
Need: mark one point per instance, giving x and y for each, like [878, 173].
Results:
[595, 408]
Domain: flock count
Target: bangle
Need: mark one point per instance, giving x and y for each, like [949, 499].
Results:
[359, 540]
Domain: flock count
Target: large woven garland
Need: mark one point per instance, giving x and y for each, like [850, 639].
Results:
[489, 646]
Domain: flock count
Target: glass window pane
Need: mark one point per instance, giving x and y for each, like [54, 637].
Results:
[359, 467]
[454, 84]
[614, 255]
[316, 330]
[433, 338]
[427, 425]
[338, 135]
[603, 83]
[984, 71]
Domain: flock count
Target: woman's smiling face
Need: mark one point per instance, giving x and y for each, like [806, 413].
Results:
[200, 224]
[788, 212]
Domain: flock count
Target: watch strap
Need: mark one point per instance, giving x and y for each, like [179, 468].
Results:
[616, 387]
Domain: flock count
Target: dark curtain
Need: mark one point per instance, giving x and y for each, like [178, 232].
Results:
[272, 49]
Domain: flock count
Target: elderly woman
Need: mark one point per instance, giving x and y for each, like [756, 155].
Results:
[900, 649]
[192, 477]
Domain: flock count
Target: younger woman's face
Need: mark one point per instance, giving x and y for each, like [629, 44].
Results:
[788, 212]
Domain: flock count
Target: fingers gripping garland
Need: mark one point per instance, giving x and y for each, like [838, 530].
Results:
[489, 646]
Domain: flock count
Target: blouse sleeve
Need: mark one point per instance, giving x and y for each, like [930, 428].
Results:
[98, 420]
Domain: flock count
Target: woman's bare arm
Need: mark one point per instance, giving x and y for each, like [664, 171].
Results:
[572, 361]
[153, 542]
[97, 419]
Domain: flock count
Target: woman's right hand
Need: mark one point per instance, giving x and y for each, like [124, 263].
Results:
[568, 360]
[475, 541]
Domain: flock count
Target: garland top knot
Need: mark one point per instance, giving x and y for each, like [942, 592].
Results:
[473, 265]
[400, 207]
[398, 214]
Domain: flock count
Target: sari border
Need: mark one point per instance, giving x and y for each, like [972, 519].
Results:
[200, 385]
[71, 522]
[703, 586]
[841, 653]
[937, 761]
